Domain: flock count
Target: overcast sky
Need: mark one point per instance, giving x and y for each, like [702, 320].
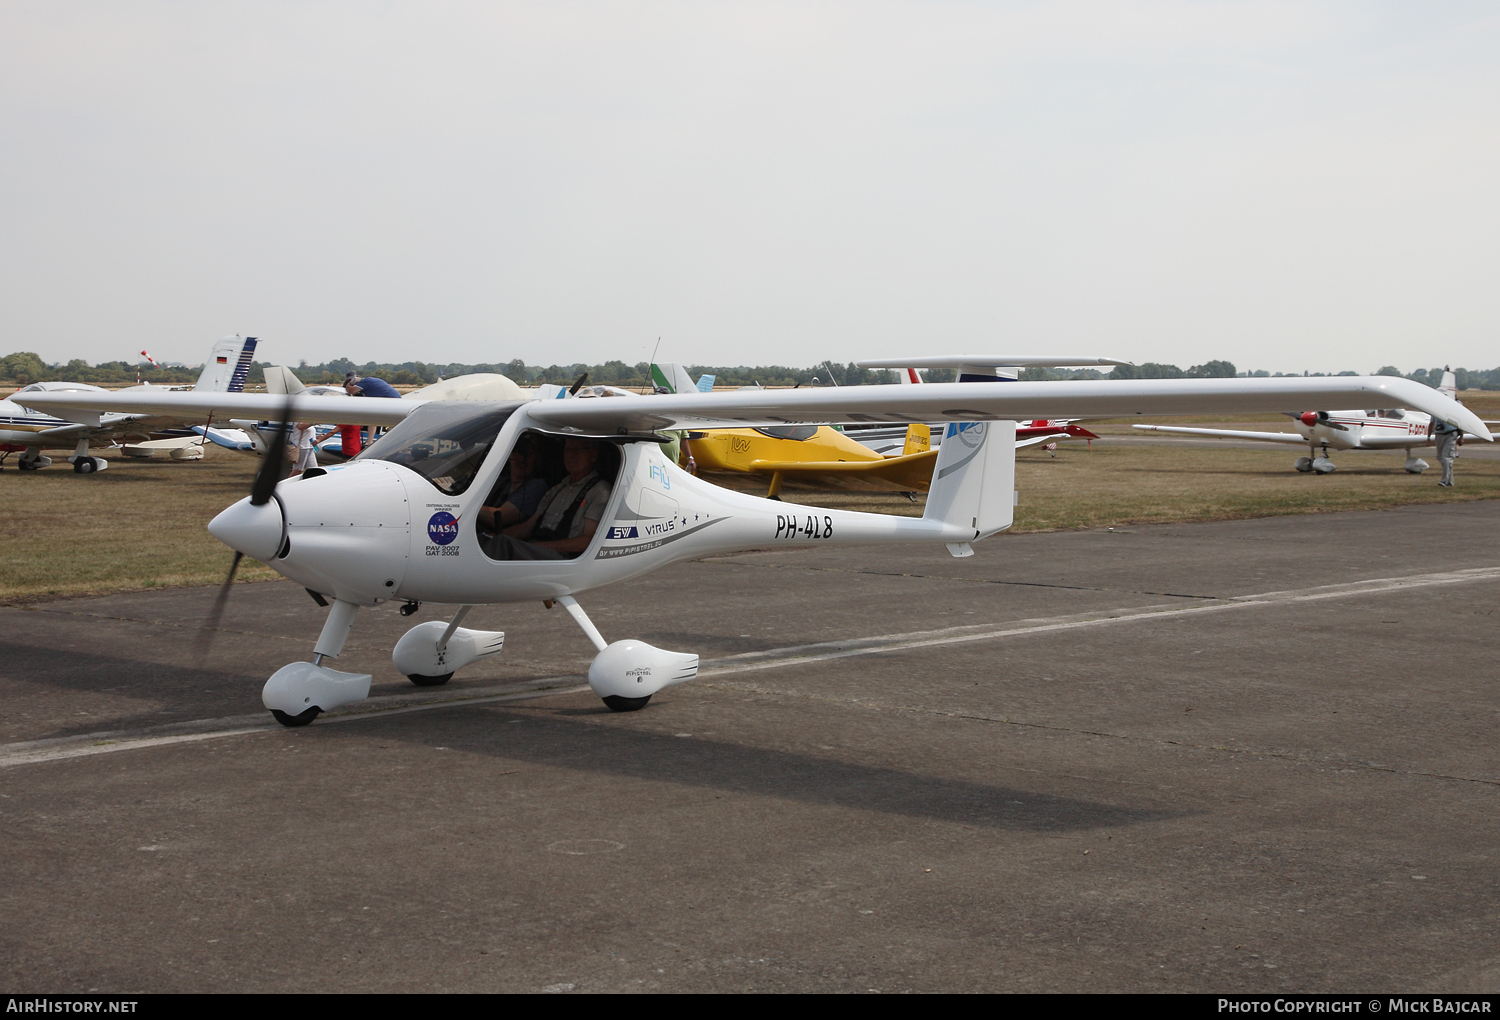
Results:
[1287, 185]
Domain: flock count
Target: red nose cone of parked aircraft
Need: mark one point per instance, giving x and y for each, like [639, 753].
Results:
[1309, 418]
[256, 531]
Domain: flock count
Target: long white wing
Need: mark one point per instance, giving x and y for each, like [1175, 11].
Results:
[991, 361]
[195, 407]
[1264, 437]
[982, 401]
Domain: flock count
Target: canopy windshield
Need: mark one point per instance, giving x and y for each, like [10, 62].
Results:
[445, 441]
[800, 433]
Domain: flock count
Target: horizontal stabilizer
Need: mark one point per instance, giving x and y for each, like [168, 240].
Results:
[1264, 437]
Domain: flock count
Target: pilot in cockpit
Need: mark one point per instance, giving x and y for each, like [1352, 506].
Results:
[567, 516]
[519, 494]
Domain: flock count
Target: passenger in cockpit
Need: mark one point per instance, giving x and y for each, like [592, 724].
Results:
[519, 493]
[567, 516]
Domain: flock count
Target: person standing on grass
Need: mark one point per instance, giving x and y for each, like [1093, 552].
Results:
[299, 447]
[1445, 438]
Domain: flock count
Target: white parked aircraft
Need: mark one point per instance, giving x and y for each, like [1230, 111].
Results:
[252, 435]
[401, 521]
[1373, 429]
[29, 430]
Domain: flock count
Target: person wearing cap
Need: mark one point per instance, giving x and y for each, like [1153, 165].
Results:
[351, 437]
[369, 386]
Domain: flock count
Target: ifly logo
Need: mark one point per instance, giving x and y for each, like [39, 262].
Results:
[660, 474]
[624, 532]
[442, 528]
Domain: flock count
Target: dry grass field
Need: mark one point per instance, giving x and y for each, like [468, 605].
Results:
[140, 524]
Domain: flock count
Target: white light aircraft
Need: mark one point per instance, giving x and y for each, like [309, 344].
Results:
[1385, 428]
[249, 430]
[401, 521]
[28, 430]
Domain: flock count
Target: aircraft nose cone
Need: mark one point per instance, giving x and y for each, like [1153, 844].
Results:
[1309, 418]
[255, 531]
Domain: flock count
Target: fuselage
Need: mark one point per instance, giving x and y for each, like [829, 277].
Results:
[1366, 430]
[21, 427]
[391, 527]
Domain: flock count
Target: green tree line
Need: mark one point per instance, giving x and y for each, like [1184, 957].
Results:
[26, 367]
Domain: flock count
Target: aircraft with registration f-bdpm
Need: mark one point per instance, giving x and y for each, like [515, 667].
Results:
[401, 521]
[1386, 428]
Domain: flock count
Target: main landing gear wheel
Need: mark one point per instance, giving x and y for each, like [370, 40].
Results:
[84, 466]
[1304, 464]
[296, 720]
[619, 704]
[429, 681]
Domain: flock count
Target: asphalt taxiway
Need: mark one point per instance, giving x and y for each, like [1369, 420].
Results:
[1254, 756]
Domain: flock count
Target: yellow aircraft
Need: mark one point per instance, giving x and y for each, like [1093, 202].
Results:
[817, 456]
[812, 455]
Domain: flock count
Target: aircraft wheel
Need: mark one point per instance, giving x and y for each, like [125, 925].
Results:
[619, 704]
[22, 465]
[429, 681]
[1304, 464]
[301, 719]
[83, 466]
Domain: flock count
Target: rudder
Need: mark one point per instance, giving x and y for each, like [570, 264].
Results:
[973, 482]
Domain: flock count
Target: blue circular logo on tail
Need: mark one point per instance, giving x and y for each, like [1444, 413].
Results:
[442, 527]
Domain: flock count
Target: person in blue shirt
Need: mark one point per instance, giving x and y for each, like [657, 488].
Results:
[369, 386]
[353, 435]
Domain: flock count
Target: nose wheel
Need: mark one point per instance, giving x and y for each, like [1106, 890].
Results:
[429, 681]
[619, 704]
[295, 720]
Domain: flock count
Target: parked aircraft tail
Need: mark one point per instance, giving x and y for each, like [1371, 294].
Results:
[228, 364]
[280, 379]
[673, 378]
[973, 482]
[1450, 384]
[918, 439]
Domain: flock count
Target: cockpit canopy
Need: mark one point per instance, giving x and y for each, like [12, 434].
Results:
[798, 433]
[444, 441]
[59, 387]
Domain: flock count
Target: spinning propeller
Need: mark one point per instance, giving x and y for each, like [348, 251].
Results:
[262, 490]
[1311, 418]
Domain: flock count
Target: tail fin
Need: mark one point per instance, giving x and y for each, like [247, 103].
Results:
[673, 378]
[1450, 384]
[918, 439]
[228, 364]
[280, 379]
[706, 383]
[973, 482]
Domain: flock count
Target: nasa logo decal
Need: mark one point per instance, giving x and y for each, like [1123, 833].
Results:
[442, 528]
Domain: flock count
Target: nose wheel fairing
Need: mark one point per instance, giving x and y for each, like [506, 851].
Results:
[296, 688]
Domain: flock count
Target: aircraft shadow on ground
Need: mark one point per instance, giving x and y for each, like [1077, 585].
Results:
[578, 741]
[185, 692]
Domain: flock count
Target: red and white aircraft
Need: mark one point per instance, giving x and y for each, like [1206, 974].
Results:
[1385, 429]
[982, 368]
